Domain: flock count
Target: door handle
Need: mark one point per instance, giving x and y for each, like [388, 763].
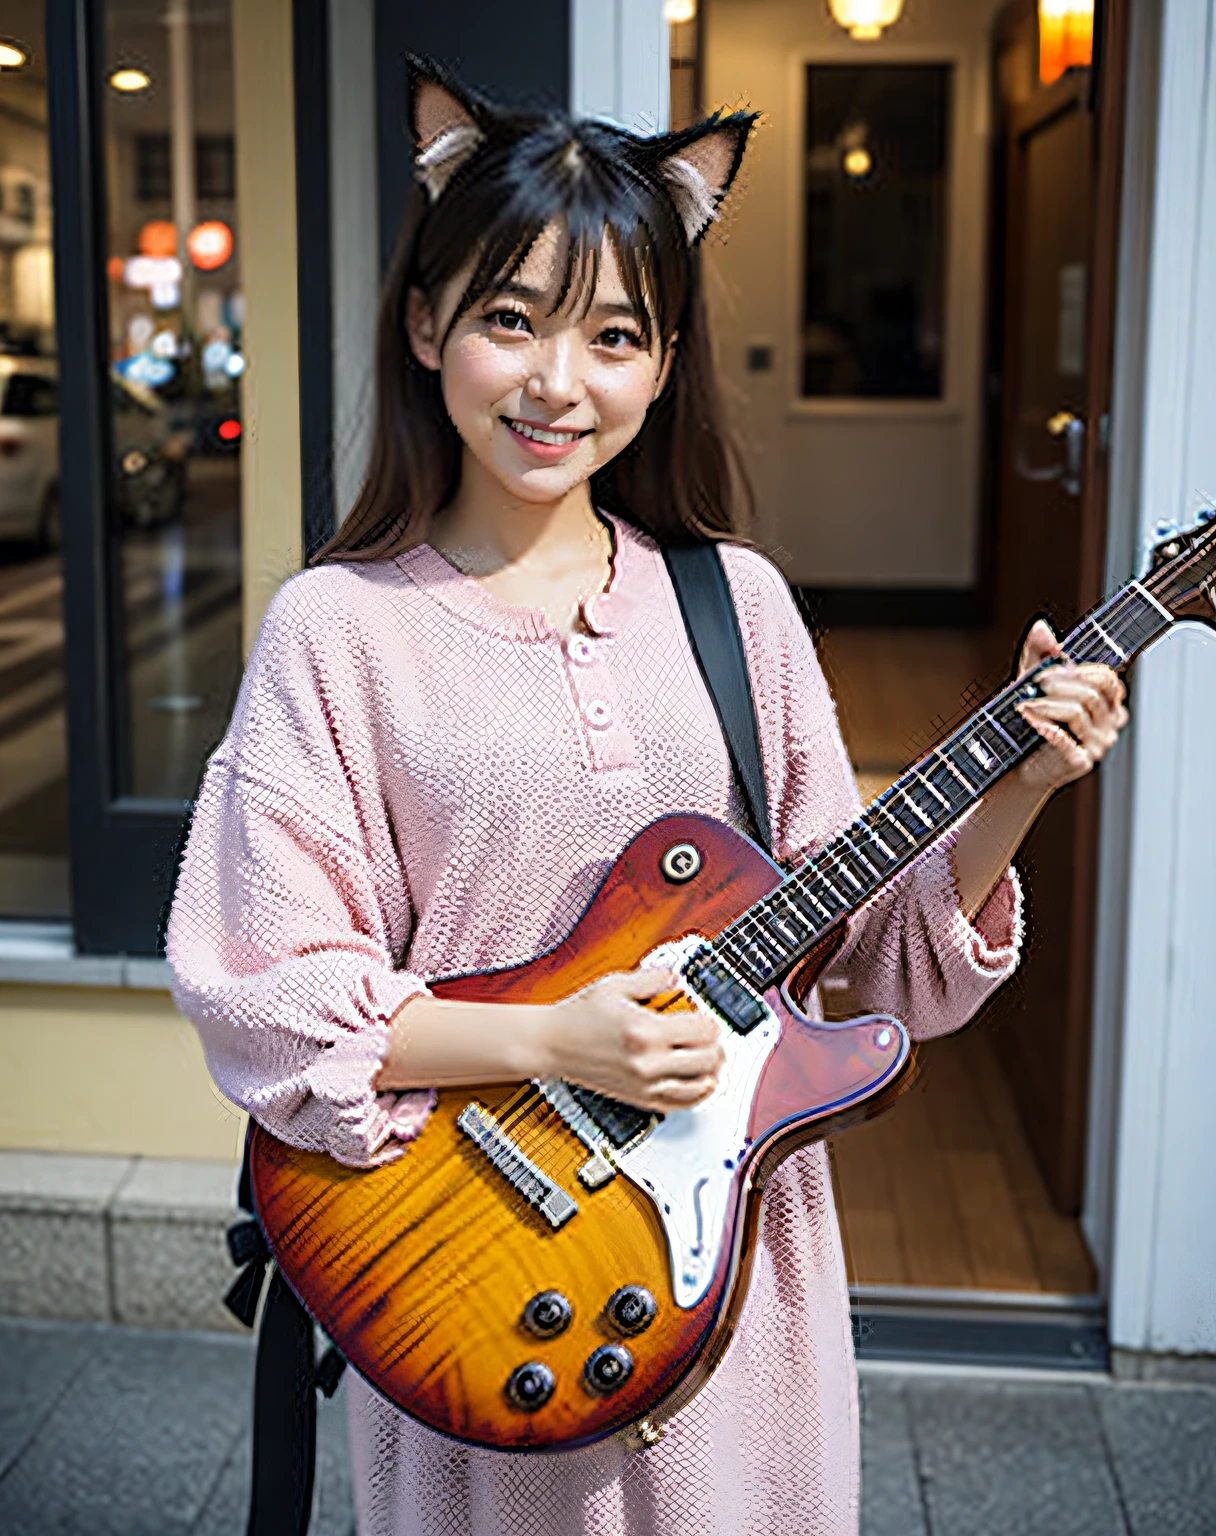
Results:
[1072, 429]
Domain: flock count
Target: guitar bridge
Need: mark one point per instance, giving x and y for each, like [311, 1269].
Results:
[537, 1188]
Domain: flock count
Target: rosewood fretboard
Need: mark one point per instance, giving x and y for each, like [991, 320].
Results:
[936, 792]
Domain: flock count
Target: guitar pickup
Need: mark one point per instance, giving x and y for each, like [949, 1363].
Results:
[537, 1188]
[724, 992]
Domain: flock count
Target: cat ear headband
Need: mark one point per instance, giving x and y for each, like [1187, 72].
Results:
[697, 165]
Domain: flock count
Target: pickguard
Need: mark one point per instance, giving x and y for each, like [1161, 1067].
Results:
[687, 1162]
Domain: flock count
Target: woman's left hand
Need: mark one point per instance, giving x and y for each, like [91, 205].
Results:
[1079, 717]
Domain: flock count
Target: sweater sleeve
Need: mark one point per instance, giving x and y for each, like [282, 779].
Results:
[910, 951]
[284, 933]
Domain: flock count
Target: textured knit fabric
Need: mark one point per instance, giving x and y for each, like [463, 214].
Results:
[419, 781]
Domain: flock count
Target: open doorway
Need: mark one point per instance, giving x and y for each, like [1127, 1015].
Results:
[915, 322]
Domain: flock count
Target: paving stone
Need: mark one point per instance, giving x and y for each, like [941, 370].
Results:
[40, 1362]
[53, 1250]
[137, 1444]
[1163, 1446]
[1012, 1459]
[333, 1515]
[167, 1243]
[890, 1489]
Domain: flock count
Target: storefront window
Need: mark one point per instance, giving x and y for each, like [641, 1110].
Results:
[176, 314]
[34, 879]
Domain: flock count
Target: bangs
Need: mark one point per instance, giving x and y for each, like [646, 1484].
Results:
[537, 183]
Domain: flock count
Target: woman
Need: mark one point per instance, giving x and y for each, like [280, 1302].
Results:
[481, 691]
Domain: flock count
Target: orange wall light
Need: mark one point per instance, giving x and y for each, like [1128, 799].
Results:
[209, 245]
[1066, 36]
[158, 237]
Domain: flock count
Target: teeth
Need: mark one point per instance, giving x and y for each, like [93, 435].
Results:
[539, 435]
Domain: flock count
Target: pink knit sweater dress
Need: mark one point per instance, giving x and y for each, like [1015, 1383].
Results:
[420, 781]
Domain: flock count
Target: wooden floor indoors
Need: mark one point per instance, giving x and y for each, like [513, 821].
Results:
[943, 1190]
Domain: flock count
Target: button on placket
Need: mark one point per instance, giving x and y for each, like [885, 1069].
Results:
[594, 694]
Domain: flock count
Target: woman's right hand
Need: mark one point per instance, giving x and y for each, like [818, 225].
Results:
[603, 1039]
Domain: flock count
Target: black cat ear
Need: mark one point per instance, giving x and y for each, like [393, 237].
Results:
[699, 164]
[445, 124]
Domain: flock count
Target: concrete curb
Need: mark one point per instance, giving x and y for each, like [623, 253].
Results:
[116, 1240]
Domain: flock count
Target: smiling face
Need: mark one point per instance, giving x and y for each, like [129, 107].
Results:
[543, 391]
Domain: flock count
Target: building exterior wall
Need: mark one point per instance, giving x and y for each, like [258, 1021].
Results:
[1163, 1255]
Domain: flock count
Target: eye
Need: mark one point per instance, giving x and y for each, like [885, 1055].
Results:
[619, 339]
[510, 320]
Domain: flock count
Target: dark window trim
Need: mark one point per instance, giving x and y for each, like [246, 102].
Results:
[314, 269]
[123, 850]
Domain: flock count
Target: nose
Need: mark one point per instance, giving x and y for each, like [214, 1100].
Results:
[557, 377]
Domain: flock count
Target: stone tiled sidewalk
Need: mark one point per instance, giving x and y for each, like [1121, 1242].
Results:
[110, 1431]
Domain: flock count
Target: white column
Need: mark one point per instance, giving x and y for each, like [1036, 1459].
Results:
[1163, 1272]
[355, 245]
[619, 62]
[181, 123]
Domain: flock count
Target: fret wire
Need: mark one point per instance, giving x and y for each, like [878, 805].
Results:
[956, 770]
[937, 795]
[857, 854]
[874, 837]
[1118, 649]
[916, 810]
[1122, 614]
[895, 822]
[999, 729]
[1160, 607]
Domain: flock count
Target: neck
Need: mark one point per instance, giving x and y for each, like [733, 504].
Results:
[484, 521]
[762, 945]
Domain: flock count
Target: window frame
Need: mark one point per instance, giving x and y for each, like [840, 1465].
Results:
[123, 849]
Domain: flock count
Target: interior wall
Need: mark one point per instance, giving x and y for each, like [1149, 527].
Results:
[861, 493]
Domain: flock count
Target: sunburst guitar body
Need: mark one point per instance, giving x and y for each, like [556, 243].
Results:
[524, 1315]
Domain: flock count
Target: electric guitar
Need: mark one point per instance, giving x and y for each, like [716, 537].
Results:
[545, 1266]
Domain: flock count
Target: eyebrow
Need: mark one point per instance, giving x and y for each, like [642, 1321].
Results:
[524, 291]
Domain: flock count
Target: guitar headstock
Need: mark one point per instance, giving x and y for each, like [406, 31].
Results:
[1183, 573]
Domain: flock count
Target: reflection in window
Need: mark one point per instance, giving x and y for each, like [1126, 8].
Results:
[877, 155]
[33, 755]
[176, 318]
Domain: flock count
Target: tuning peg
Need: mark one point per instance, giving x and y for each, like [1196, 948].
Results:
[1165, 530]
[1206, 515]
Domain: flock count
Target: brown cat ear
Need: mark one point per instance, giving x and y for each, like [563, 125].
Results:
[444, 123]
[699, 165]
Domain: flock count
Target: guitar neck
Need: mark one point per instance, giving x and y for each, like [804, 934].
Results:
[934, 794]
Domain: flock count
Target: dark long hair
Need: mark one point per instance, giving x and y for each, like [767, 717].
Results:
[681, 479]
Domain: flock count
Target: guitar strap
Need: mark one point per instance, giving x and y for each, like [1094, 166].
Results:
[713, 629]
[287, 1375]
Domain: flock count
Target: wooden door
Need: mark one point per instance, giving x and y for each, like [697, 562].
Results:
[1060, 224]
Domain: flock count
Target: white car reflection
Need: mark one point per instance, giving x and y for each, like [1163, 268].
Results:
[150, 453]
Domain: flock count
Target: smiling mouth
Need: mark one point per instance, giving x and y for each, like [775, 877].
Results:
[543, 434]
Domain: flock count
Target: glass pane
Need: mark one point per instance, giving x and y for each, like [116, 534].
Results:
[176, 312]
[877, 142]
[33, 753]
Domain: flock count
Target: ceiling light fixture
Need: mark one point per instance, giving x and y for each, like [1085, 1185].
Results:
[864, 20]
[129, 79]
[13, 55]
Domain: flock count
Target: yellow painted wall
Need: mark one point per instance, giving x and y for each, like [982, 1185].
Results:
[107, 1071]
[271, 526]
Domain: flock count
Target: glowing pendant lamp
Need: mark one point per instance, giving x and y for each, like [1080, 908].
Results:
[865, 19]
[1066, 36]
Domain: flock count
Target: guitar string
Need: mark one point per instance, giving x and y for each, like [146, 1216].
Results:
[750, 924]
